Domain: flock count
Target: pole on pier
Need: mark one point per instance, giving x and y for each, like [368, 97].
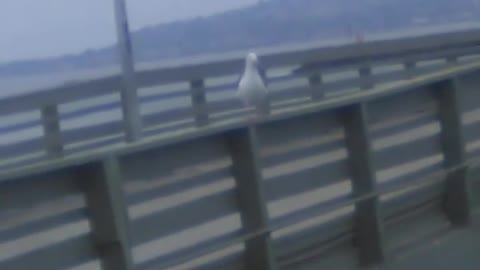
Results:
[130, 105]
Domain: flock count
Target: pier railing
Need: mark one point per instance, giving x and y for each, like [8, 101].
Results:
[81, 116]
[340, 174]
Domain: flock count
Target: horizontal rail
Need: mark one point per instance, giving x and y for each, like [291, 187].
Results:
[165, 120]
[200, 108]
[109, 131]
[288, 113]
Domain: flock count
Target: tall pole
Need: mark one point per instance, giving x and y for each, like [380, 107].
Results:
[132, 120]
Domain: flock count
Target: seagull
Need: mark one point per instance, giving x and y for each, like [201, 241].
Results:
[252, 86]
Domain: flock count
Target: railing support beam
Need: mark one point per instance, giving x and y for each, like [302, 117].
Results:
[366, 78]
[452, 60]
[456, 202]
[199, 102]
[52, 131]
[243, 145]
[410, 69]
[316, 86]
[368, 223]
[102, 183]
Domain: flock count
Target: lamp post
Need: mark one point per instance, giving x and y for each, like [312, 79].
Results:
[132, 119]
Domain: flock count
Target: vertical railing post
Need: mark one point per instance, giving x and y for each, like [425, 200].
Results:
[199, 102]
[368, 223]
[243, 146]
[130, 103]
[456, 202]
[107, 208]
[410, 69]
[452, 60]
[316, 86]
[366, 79]
[52, 131]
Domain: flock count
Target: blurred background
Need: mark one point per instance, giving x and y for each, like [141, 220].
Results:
[52, 41]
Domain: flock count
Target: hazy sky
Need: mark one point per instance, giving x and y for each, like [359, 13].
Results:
[41, 28]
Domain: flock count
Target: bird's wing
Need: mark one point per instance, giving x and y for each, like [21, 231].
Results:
[237, 83]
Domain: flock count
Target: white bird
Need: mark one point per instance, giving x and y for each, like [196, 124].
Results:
[252, 87]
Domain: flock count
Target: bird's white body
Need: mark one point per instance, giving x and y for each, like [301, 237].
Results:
[252, 88]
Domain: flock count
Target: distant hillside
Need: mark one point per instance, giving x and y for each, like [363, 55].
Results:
[268, 23]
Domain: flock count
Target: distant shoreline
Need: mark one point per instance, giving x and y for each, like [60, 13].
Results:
[300, 21]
